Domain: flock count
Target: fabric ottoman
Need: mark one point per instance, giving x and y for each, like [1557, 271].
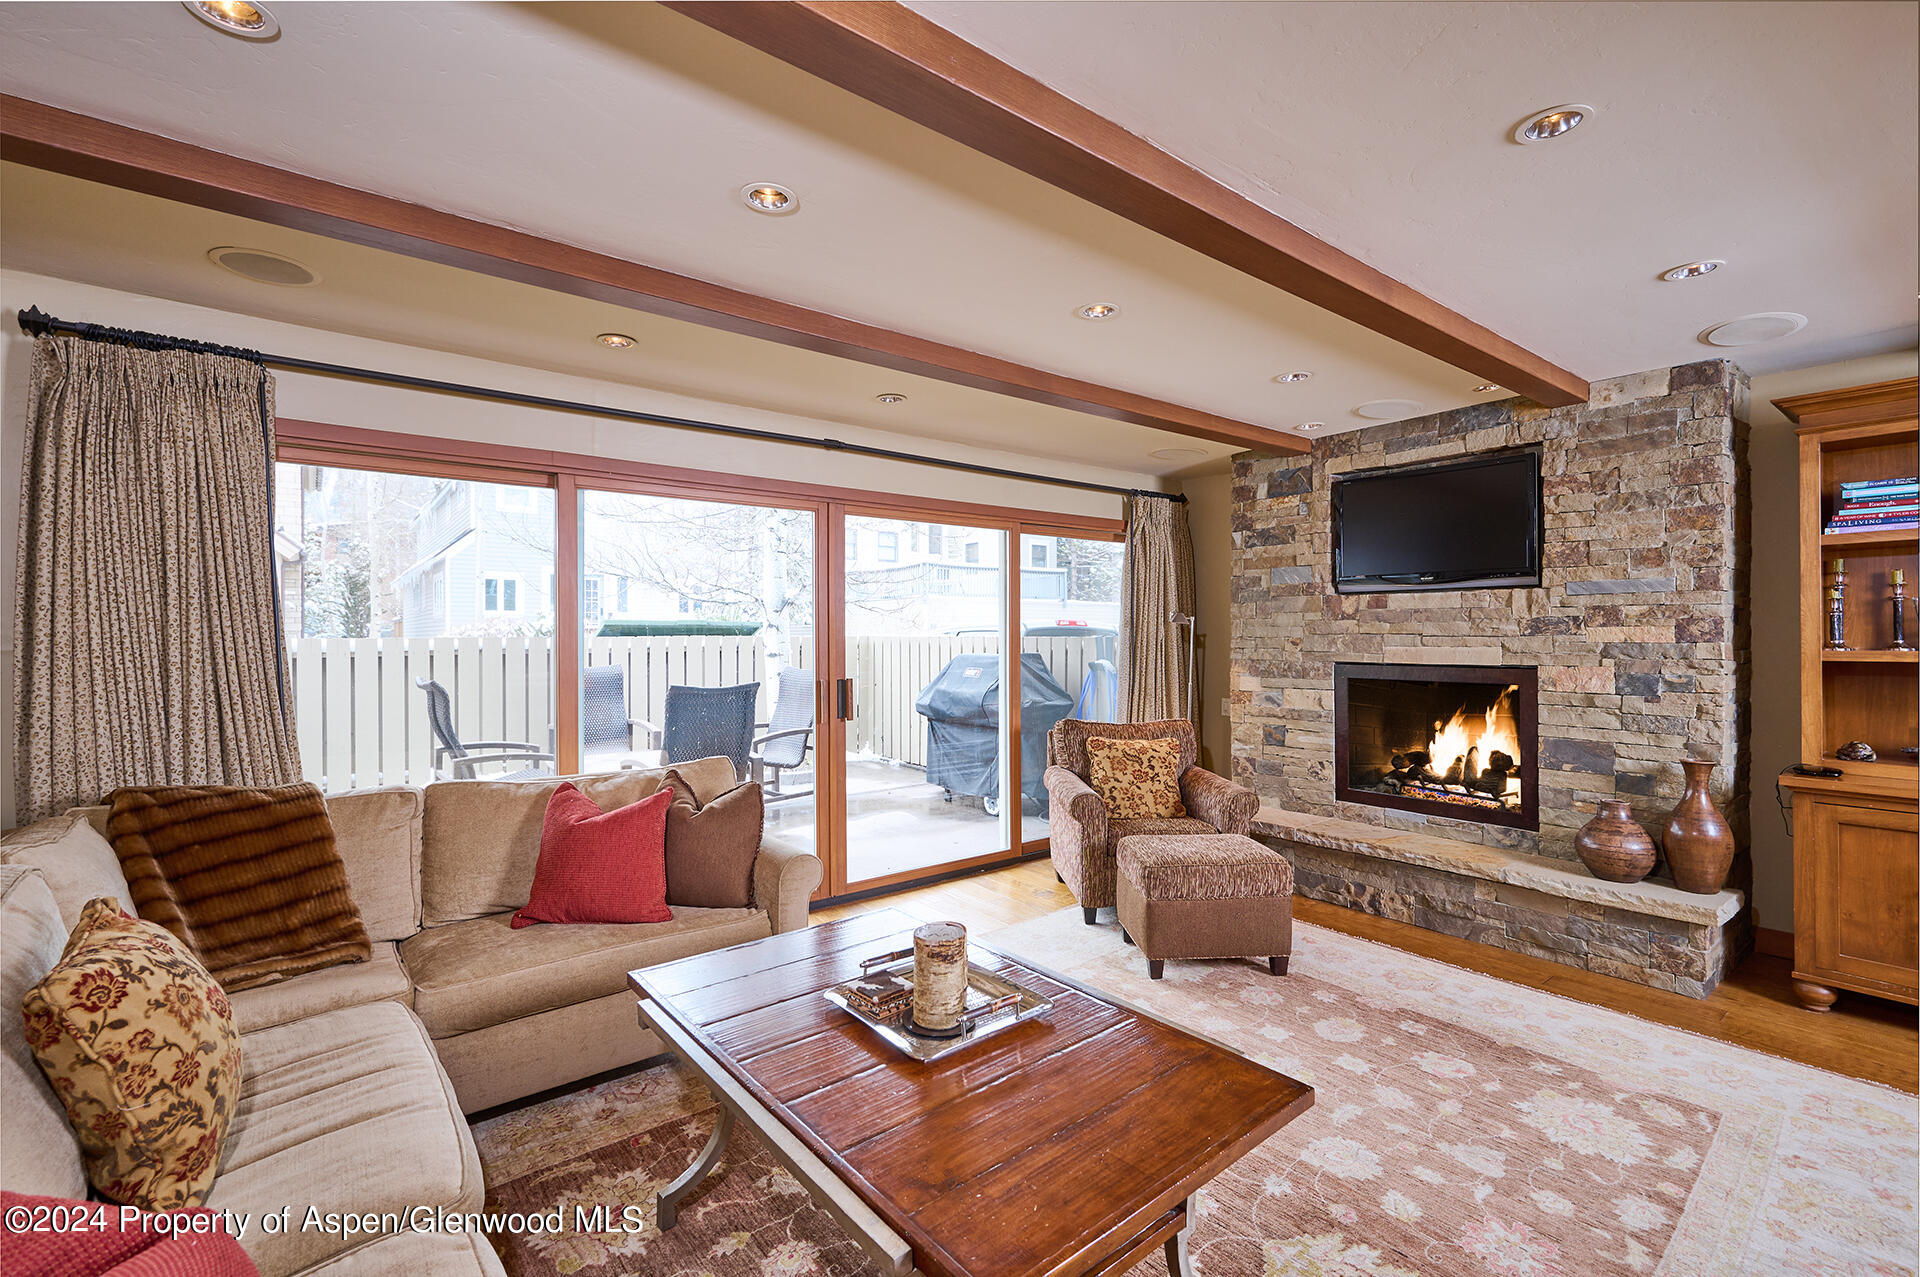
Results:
[1204, 896]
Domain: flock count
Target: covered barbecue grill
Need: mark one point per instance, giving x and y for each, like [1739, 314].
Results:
[962, 709]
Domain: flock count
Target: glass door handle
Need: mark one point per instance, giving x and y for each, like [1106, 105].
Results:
[843, 699]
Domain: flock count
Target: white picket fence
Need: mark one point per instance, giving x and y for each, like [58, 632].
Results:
[362, 720]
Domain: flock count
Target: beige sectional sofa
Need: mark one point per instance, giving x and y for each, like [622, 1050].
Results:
[356, 1078]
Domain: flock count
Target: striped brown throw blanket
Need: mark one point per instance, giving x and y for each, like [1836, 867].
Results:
[249, 879]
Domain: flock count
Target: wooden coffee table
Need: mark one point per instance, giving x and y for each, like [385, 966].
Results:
[1066, 1146]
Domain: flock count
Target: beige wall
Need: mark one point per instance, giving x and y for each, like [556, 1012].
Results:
[351, 403]
[1774, 455]
[1210, 517]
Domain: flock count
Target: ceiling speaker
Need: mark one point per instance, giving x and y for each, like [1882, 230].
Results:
[1389, 409]
[263, 267]
[1749, 330]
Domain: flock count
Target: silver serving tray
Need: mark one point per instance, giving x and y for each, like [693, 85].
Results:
[898, 1030]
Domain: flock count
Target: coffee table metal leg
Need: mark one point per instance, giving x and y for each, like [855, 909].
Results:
[1179, 1263]
[669, 1206]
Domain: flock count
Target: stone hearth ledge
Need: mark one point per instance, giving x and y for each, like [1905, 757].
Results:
[1494, 864]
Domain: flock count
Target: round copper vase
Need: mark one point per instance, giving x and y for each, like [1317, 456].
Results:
[1613, 846]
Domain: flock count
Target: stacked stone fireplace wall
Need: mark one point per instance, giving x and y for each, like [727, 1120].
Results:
[1639, 630]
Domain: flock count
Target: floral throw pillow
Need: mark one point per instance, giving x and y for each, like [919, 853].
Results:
[1136, 779]
[138, 1041]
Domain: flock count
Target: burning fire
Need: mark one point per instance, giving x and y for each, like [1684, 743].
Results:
[1472, 742]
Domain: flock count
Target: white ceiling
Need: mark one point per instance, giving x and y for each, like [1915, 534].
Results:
[1778, 136]
[629, 129]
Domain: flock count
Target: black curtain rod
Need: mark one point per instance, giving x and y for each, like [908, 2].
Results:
[37, 323]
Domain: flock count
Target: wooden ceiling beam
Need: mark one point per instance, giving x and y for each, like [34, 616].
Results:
[44, 137]
[893, 57]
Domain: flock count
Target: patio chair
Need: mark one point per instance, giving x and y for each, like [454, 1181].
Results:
[789, 733]
[604, 725]
[706, 722]
[466, 757]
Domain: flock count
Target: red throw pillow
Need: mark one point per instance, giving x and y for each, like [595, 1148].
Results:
[600, 866]
[58, 1237]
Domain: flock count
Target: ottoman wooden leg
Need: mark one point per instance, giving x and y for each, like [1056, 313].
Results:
[1155, 968]
[1126, 935]
[1278, 965]
[1087, 914]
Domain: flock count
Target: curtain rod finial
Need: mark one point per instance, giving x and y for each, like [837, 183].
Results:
[35, 322]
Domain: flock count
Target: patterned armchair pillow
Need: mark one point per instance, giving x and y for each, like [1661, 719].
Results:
[1136, 779]
[138, 1041]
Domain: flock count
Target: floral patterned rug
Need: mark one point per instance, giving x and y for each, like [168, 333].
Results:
[1461, 1125]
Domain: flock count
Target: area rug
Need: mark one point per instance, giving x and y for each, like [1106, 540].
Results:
[1462, 1125]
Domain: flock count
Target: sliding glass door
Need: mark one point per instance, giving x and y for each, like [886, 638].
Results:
[698, 640]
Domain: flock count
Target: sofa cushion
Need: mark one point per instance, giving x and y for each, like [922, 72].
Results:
[711, 846]
[75, 859]
[377, 832]
[108, 1244]
[424, 1254]
[1136, 779]
[346, 1111]
[380, 978]
[38, 1151]
[599, 866]
[468, 975]
[139, 1044]
[480, 839]
[247, 877]
[1119, 829]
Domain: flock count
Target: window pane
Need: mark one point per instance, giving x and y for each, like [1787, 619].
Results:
[926, 752]
[699, 642]
[391, 580]
[1070, 613]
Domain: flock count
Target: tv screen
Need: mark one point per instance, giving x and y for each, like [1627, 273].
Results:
[1458, 525]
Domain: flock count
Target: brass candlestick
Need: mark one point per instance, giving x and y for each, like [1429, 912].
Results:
[1837, 606]
[1900, 643]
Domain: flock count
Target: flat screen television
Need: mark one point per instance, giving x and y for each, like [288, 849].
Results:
[1453, 525]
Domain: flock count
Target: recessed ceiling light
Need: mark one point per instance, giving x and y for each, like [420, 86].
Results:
[1176, 454]
[235, 17]
[1098, 310]
[619, 341]
[1312, 425]
[263, 267]
[1485, 388]
[1751, 330]
[1389, 409]
[1693, 270]
[1286, 377]
[770, 198]
[891, 397]
[1555, 121]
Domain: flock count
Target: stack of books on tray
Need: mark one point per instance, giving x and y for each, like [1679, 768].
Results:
[1876, 505]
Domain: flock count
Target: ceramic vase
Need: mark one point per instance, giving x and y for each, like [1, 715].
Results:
[1613, 846]
[1698, 841]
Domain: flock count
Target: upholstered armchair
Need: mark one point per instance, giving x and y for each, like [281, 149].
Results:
[1082, 835]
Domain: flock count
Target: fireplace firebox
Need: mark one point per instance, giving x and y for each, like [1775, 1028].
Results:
[1448, 740]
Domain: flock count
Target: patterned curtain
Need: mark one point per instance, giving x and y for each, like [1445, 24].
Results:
[1158, 581]
[146, 628]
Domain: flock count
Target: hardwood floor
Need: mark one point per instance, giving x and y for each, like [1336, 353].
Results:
[1862, 1037]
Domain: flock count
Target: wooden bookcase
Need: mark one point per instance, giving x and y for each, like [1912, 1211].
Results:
[1856, 840]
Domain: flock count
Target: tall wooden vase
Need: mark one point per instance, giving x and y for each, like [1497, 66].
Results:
[1698, 841]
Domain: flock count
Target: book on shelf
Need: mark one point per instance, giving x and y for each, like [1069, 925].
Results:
[1874, 485]
[1851, 514]
[1891, 525]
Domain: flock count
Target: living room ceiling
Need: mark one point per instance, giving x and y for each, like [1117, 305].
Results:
[1384, 131]
[1778, 137]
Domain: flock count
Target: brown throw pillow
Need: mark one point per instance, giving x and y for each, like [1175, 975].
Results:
[711, 848]
[1136, 779]
[138, 1042]
[248, 879]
